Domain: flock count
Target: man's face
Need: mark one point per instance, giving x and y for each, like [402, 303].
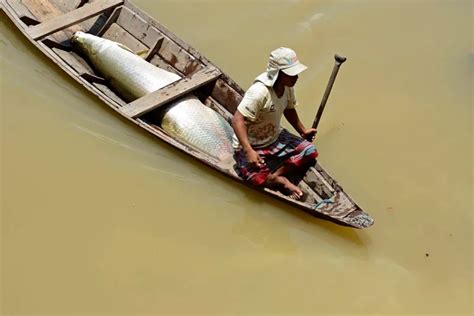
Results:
[288, 81]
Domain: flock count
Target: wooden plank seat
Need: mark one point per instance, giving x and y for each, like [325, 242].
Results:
[58, 23]
[172, 91]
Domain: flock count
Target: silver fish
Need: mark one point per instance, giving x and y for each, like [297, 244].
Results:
[132, 77]
[196, 124]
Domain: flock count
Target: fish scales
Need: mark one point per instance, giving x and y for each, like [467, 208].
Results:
[132, 77]
[208, 136]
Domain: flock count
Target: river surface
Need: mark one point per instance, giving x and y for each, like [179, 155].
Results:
[100, 218]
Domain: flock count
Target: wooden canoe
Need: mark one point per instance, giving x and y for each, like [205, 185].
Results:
[49, 25]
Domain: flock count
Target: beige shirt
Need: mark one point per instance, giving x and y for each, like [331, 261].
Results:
[263, 111]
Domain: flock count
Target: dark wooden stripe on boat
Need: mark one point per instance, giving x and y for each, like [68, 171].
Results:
[73, 17]
[81, 3]
[153, 50]
[111, 19]
[162, 96]
[29, 21]
[93, 78]
[53, 44]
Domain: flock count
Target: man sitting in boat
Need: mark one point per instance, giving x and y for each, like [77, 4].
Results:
[264, 151]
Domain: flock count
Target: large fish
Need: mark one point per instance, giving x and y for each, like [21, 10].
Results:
[132, 77]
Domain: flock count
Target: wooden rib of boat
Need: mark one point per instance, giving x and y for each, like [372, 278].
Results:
[49, 25]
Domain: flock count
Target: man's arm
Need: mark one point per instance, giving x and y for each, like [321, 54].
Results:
[292, 116]
[240, 129]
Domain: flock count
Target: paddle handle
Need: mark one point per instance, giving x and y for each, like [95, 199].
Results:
[339, 61]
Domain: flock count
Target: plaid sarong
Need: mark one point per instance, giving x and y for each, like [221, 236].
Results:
[288, 149]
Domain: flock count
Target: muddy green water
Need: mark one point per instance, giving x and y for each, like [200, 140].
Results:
[100, 218]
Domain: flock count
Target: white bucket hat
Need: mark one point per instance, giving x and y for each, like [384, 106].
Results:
[283, 59]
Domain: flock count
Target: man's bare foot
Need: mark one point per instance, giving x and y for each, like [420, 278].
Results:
[294, 192]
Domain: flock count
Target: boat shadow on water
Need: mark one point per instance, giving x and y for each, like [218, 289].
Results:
[265, 208]
[266, 221]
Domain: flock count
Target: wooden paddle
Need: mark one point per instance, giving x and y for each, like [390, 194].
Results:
[339, 61]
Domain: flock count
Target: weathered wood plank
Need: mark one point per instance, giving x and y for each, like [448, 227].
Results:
[44, 10]
[118, 102]
[226, 95]
[213, 104]
[322, 179]
[333, 183]
[73, 60]
[178, 57]
[314, 179]
[172, 53]
[118, 34]
[138, 27]
[73, 17]
[162, 96]
[160, 63]
[310, 196]
[168, 34]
